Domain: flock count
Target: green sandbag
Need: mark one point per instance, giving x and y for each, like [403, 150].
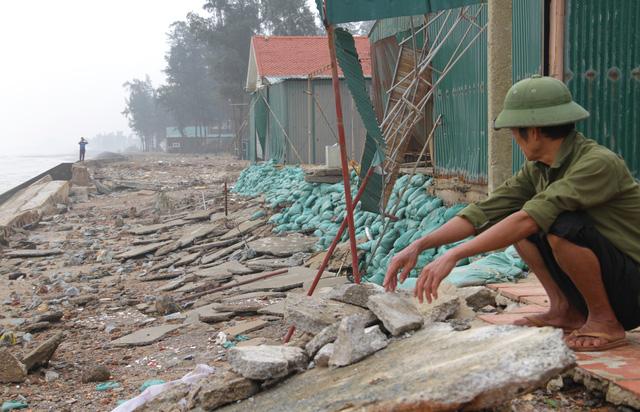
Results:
[418, 180]
[404, 240]
[310, 201]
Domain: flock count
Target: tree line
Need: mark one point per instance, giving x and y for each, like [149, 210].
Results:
[206, 65]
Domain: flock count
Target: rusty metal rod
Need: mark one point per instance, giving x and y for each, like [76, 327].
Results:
[343, 151]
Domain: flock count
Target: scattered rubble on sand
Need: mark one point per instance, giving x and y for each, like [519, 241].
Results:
[143, 281]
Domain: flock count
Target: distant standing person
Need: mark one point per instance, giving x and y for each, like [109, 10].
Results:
[83, 142]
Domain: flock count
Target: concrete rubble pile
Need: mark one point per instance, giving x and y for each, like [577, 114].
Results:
[126, 289]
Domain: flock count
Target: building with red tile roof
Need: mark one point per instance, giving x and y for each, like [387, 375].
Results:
[274, 58]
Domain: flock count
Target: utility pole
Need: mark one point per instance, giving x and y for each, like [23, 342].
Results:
[500, 79]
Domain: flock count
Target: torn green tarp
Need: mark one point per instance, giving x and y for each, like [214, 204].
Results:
[374, 145]
[346, 11]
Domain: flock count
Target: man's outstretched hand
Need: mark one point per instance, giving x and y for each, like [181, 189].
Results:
[431, 276]
[405, 260]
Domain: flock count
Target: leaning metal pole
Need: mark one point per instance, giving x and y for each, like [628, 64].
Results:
[343, 152]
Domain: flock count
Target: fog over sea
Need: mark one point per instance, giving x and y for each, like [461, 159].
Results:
[15, 169]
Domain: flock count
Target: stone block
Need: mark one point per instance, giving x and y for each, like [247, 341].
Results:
[267, 362]
[396, 311]
[312, 313]
[355, 294]
[354, 342]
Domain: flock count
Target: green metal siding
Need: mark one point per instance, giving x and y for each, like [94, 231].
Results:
[602, 70]
[461, 140]
[528, 50]
[276, 141]
[390, 27]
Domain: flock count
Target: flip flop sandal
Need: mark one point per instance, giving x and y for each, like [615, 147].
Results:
[537, 323]
[611, 342]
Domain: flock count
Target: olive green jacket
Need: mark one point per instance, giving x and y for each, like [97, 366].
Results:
[585, 176]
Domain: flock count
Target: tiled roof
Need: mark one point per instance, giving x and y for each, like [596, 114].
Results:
[299, 56]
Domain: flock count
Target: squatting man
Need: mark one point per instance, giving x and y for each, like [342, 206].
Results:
[572, 212]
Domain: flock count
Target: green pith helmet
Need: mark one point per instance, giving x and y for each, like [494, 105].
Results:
[538, 102]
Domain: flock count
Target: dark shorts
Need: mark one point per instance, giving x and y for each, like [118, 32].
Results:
[620, 273]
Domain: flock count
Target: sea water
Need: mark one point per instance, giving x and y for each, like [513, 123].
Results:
[16, 169]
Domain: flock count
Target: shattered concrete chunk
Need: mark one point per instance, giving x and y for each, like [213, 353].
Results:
[221, 390]
[267, 362]
[355, 343]
[41, 354]
[313, 313]
[324, 354]
[11, 369]
[396, 311]
[330, 333]
[355, 294]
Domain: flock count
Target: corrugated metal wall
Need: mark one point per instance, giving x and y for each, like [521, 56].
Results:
[602, 69]
[528, 50]
[461, 140]
[290, 103]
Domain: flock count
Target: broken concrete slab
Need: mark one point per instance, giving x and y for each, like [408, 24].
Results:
[188, 259]
[241, 307]
[296, 277]
[11, 369]
[145, 230]
[355, 294]
[261, 295]
[141, 250]
[31, 253]
[243, 228]
[222, 271]
[42, 353]
[396, 311]
[267, 362]
[276, 309]
[435, 369]
[283, 246]
[207, 314]
[243, 327]
[355, 343]
[200, 215]
[212, 257]
[330, 333]
[32, 203]
[145, 336]
[312, 313]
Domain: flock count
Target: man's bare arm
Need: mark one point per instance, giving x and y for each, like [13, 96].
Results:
[510, 230]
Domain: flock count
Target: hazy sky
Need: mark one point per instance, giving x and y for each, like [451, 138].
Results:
[63, 64]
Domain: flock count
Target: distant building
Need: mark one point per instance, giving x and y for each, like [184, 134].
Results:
[292, 113]
[211, 139]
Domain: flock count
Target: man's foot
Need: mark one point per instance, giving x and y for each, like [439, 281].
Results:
[597, 336]
[568, 320]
